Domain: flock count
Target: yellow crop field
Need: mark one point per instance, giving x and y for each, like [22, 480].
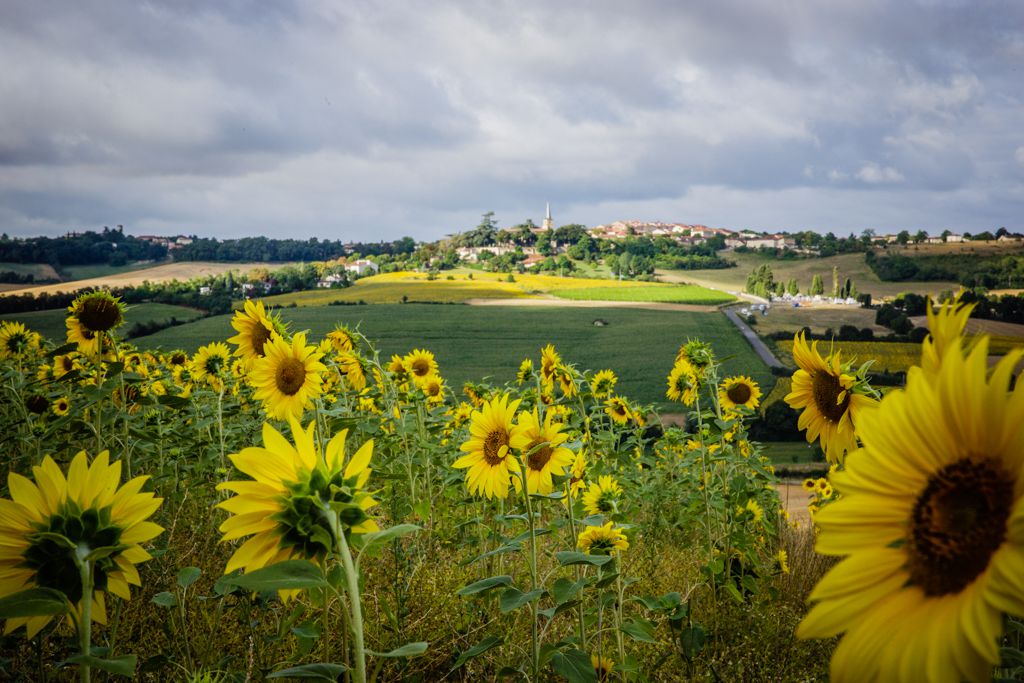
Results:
[888, 356]
[386, 289]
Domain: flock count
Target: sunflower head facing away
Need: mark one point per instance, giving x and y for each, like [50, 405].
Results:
[255, 328]
[739, 392]
[341, 339]
[602, 496]
[931, 524]
[288, 377]
[17, 341]
[683, 382]
[602, 383]
[829, 396]
[525, 372]
[48, 520]
[602, 540]
[549, 360]
[294, 487]
[541, 446]
[488, 459]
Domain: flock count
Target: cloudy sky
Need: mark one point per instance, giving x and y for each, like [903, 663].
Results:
[363, 120]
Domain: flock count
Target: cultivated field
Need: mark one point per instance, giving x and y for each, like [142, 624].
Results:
[473, 342]
[162, 273]
[850, 266]
[677, 294]
[888, 356]
[784, 318]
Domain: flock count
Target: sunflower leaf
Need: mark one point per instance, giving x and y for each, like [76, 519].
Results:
[188, 575]
[575, 665]
[568, 557]
[321, 672]
[641, 630]
[407, 650]
[379, 538]
[34, 602]
[485, 585]
[288, 575]
[477, 650]
[121, 666]
[513, 598]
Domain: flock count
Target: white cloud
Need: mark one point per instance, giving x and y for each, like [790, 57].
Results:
[874, 174]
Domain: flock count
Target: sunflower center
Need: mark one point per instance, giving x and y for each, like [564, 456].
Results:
[492, 446]
[260, 336]
[291, 375]
[958, 522]
[739, 393]
[421, 367]
[826, 389]
[540, 457]
[100, 314]
[53, 561]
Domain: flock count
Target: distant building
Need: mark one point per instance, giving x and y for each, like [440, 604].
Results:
[362, 266]
[549, 224]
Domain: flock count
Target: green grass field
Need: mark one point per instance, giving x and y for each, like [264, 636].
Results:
[51, 325]
[87, 272]
[680, 294]
[472, 343]
[41, 271]
[851, 266]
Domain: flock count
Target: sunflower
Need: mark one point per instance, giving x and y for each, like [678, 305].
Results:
[576, 472]
[602, 383]
[601, 540]
[826, 392]
[602, 497]
[810, 485]
[255, 328]
[946, 328]
[61, 406]
[488, 458]
[699, 354]
[89, 511]
[525, 372]
[541, 446]
[739, 392]
[88, 341]
[288, 377]
[98, 312]
[396, 366]
[782, 557]
[17, 341]
[549, 360]
[350, 367]
[433, 387]
[618, 409]
[211, 363]
[683, 382]
[566, 380]
[419, 363]
[931, 524]
[341, 339]
[293, 490]
[603, 667]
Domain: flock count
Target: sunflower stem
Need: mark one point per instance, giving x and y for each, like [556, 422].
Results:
[355, 607]
[534, 640]
[580, 626]
[85, 623]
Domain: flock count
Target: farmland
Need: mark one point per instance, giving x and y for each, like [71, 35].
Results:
[851, 266]
[888, 356]
[473, 342]
[680, 294]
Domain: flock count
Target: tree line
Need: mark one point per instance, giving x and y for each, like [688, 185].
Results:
[110, 246]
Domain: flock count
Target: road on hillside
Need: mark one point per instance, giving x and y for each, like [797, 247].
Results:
[759, 346]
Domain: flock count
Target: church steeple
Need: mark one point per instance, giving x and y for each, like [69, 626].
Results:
[548, 223]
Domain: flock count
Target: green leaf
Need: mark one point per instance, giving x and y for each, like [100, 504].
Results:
[568, 557]
[734, 592]
[692, 639]
[508, 548]
[526, 535]
[640, 630]
[552, 612]
[321, 672]
[485, 585]
[121, 666]
[288, 575]
[574, 665]
[478, 649]
[380, 538]
[407, 650]
[105, 551]
[165, 599]
[188, 575]
[307, 630]
[175, 402]
[607, 580]
[34, 602]
[564, 589]
[1011, 657]
[513, 598]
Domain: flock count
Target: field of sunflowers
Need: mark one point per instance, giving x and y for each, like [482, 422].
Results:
[279, 506]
